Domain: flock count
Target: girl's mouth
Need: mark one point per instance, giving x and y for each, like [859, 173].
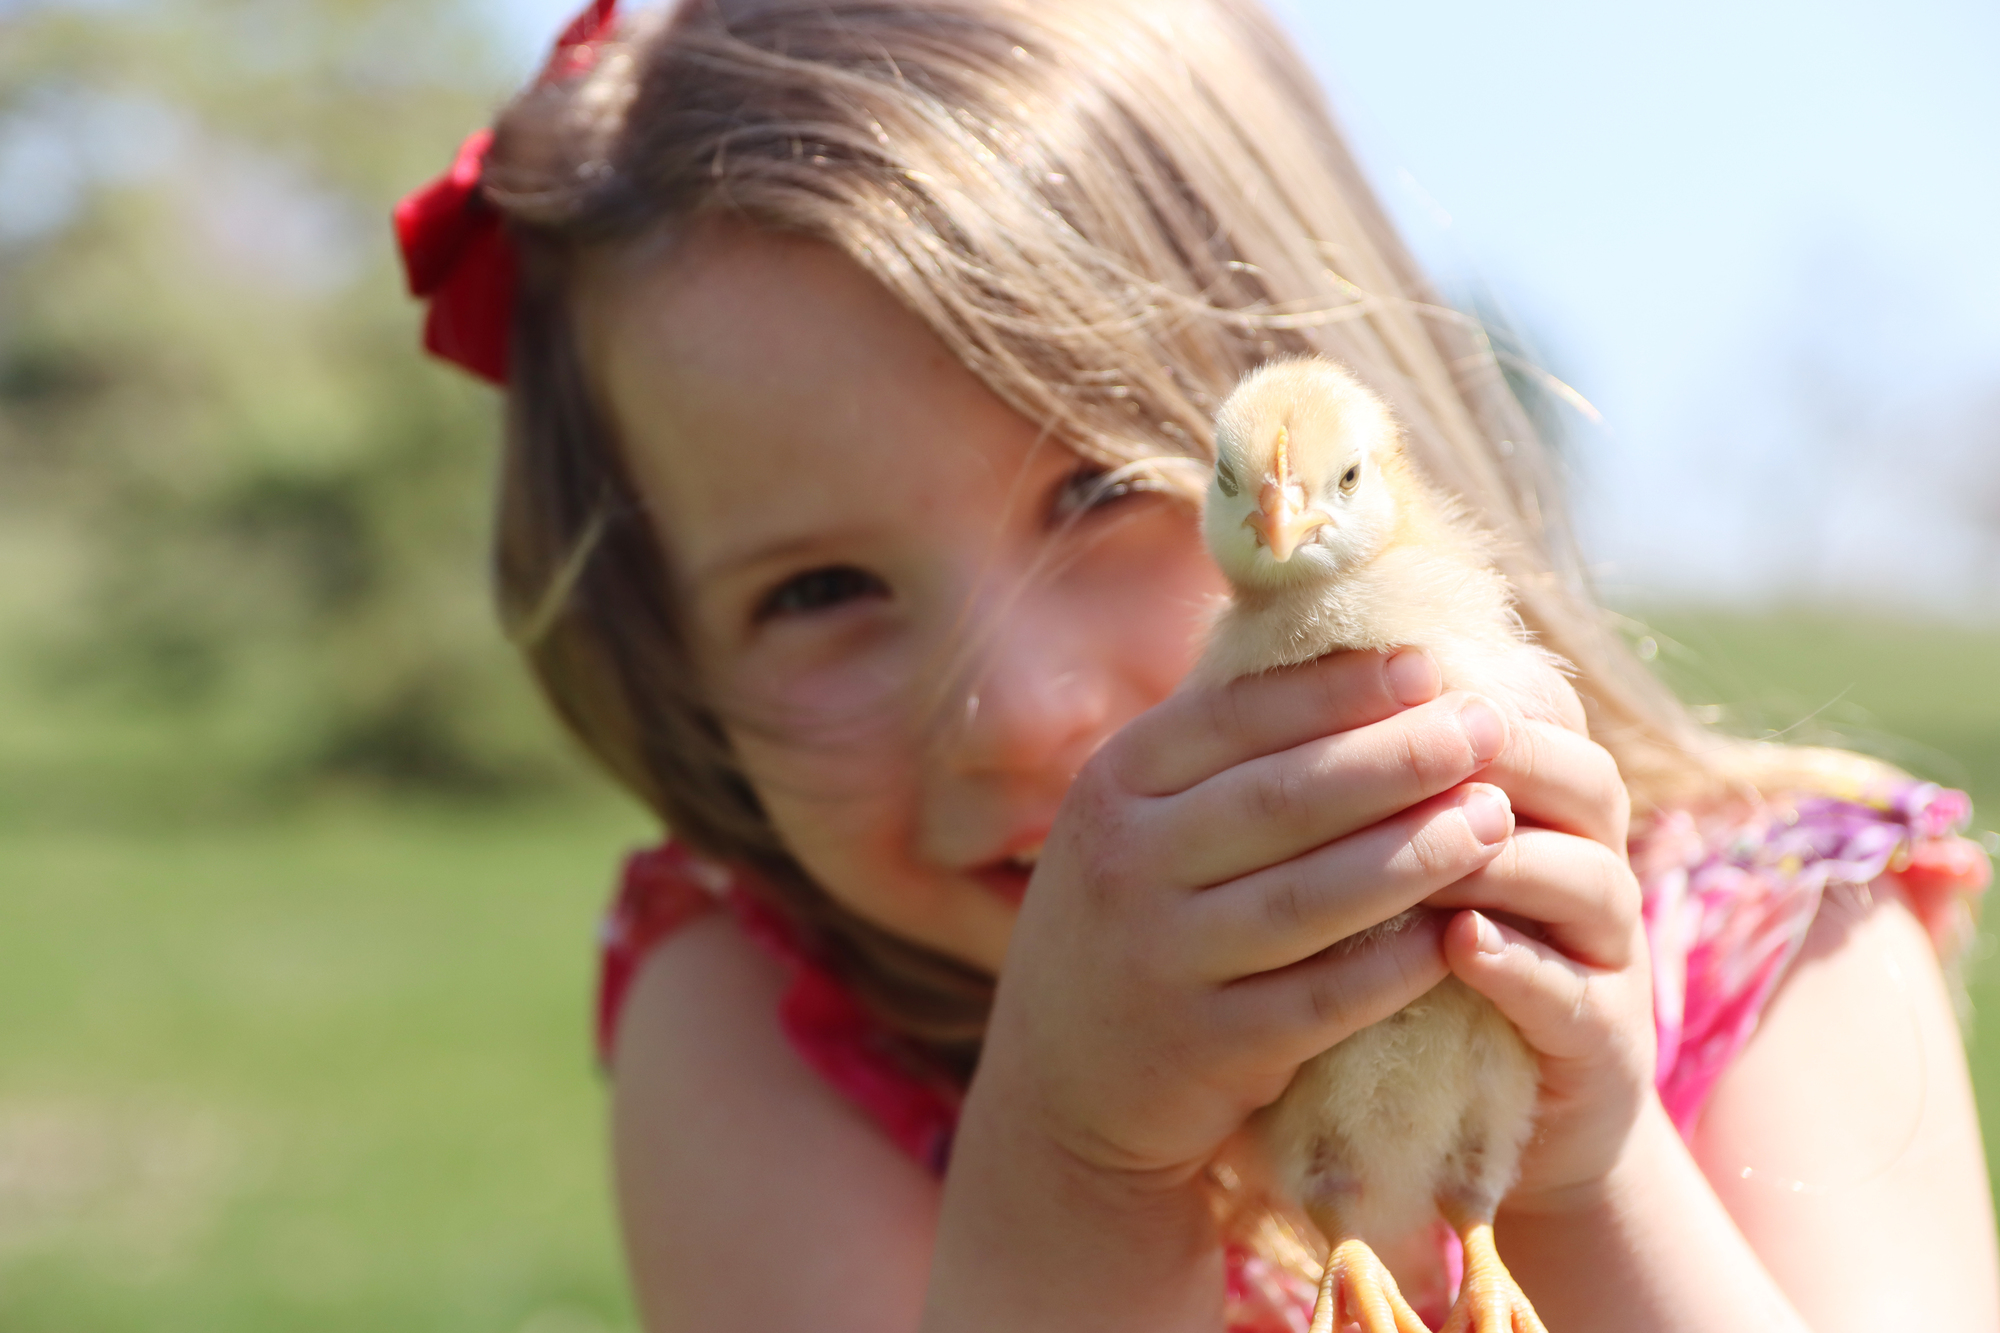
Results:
[1008, 877]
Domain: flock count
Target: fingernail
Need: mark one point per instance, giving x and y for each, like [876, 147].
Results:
[1483, 727]
[1485, 935]
[1488, 814]
[1413, 677]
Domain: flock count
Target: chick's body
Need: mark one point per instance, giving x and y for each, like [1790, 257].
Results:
[1331, 541]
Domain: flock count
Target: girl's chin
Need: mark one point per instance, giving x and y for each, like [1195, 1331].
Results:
[1008, 883]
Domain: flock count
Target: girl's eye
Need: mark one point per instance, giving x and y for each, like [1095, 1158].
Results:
[819, 589]
[1091, 487]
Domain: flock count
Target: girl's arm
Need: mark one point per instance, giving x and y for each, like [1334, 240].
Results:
[752, 1196]
[1843, 1139]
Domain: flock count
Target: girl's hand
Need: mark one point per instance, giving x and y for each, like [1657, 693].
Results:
[1174, 960]
[1557, 944]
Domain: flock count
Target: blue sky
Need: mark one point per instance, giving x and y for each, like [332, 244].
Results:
[1759, 237]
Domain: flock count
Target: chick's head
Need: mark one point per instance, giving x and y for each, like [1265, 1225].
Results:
[1306, 466]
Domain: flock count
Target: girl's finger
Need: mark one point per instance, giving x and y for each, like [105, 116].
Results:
[1561, 780]
[1550, 997]
[1286, 913]
[1198, 733]
[1579, 892]
[1293, 1014]
[1271, 809]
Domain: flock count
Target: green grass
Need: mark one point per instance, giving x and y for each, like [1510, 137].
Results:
[326, 1072]
[330, 1069]
[1925, 696]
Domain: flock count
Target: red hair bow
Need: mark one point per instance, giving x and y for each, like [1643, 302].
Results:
[455, 252]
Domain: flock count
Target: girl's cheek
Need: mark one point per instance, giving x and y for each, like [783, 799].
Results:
[824, 734]
[821, 703]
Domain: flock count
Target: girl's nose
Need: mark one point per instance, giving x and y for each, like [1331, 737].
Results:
[1038, 699]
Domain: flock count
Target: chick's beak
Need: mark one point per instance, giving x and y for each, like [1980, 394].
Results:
[1282, 519]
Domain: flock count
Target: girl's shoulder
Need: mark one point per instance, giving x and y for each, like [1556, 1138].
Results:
[734, 1159]
[1732, 891]
[669, 894]
[1847, 1101]
[687, 1006]
[661, 891]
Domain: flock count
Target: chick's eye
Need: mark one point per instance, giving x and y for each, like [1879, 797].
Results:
[1349, 477]
[818, 590]
[1226, 479]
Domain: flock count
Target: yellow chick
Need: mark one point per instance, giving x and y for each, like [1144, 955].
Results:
[1330, 540]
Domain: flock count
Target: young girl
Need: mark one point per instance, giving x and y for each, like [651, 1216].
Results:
[858, 354]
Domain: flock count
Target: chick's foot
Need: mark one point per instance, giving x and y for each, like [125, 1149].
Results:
[1489, 1300]
[1359, 1289]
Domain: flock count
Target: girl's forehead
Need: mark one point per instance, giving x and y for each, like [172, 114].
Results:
[765, 389]
[736, 328]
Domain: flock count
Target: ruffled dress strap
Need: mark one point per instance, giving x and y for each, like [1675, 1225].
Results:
[660, 890]
[1729, 895]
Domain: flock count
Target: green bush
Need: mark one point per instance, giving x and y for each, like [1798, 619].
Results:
[240, 507]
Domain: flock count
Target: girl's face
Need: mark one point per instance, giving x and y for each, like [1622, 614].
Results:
[913, 618]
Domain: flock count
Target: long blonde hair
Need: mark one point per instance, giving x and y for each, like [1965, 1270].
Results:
[1109, 212]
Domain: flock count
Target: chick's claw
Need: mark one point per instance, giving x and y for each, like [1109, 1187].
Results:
[1359, 1289]
[1489, 1300]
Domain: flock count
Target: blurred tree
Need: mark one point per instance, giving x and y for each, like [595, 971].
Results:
[232, 492]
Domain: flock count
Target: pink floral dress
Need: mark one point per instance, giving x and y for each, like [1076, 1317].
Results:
[1728, 898]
